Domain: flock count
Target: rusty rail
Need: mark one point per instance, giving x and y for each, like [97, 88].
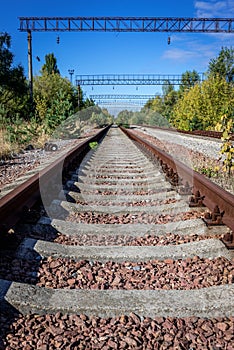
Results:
[214, 194]
[26, 195]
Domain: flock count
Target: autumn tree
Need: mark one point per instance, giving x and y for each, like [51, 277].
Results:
[227, 148]
[201, 107]
[155, 104]
[223, 64]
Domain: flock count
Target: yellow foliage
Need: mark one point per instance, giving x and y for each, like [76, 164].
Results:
[201, 107]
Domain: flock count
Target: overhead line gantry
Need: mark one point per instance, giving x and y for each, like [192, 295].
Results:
[131, 79]
[122, 103]
[110, 99]
[122, 97]
[119, 24]
[127, 24]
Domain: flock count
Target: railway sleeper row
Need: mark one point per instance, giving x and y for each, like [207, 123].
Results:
[119, 294]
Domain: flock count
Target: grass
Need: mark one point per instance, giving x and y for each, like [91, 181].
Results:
[6, 147]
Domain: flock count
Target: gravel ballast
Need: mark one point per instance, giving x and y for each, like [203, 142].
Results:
[67, 332]
[123, 332]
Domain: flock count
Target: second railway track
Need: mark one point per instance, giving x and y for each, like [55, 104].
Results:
[118, 261]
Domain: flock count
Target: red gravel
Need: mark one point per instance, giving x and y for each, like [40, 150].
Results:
[123, 192]
[141, 203]
[123, 240]
[144, 218]
[67, 332]
[191, 273]
[123, 176]
[10, 170]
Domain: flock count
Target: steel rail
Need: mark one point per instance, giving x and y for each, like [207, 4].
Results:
[214, 194]
[28, 193]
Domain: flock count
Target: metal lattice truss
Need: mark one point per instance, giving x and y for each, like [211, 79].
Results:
[121, 97]
[131, 79]
[126, 24]
[122, 104]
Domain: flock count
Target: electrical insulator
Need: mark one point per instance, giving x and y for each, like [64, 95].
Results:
[58, 39]
[169, 40]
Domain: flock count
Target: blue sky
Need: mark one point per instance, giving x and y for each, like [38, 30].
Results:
[98, 53]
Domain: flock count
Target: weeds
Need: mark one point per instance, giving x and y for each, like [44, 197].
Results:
[18, 133]
[213, 169]
[93, 145]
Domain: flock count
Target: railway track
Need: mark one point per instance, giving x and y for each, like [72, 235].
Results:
[117, 259]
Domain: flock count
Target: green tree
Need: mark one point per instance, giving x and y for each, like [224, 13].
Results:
[14, 94]
[155, 104]
[167, 87]
[202, 106]
[50, 66]
[100, 119]
[188, 80]
[124, 117]
[169, 102]
[54, 99]
[139, 118]
[163, 104]
[88, 103]
[223, 64]
[6, 58]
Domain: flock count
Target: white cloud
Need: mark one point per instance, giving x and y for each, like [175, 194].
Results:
[195, 52]
[178, 54]
[214, 8]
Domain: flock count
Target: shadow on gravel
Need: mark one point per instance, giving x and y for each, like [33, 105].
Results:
[19, 265]
[8, 314]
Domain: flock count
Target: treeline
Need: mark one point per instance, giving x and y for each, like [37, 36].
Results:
[196, 105]
[55, 99]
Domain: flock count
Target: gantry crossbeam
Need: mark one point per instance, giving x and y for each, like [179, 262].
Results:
[120, 103]
[126, 24]
[131, 79]
[121, 97]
